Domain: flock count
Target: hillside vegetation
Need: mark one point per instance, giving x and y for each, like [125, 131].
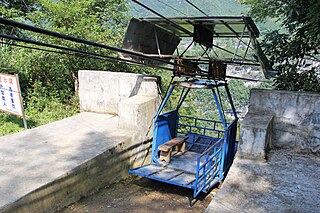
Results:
[49, 80]
[182, 8]
[178, 8]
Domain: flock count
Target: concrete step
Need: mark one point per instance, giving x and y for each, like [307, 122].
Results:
[46, 168]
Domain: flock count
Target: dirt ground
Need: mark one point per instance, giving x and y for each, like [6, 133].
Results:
[139, 195]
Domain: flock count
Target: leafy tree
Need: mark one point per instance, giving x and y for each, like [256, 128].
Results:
[49, 80]
[102, 21]
[295, 43]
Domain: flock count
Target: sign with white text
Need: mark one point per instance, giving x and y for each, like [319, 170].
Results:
[10, 95]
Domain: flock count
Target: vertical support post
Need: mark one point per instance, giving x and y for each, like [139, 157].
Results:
[245, 54]
[240, 40]
[164, 103]
[183, 98]
[158, 47]
[222, 156]
[219, 107]
[154, 140]
[230, 101]
[155, 128]
[22, 108]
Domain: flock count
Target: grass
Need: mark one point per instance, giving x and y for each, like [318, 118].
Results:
[52, 111]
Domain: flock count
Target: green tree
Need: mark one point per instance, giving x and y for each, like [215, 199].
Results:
[102, 21]
[297, 40]
[49, 80]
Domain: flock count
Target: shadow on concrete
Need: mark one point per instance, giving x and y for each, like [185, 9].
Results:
[286, 183]
[48, 173]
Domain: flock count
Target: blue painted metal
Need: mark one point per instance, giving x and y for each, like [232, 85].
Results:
[183, 98]
[231, 143]
[221, 104]
[165, 128]
[219, 108]
[164, 102]
[213, 143]
[136, 172]
[231, 101]
[159, 128]
[207, 171]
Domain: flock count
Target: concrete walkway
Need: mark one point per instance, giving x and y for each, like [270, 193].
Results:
[288, 182]
[33, 159]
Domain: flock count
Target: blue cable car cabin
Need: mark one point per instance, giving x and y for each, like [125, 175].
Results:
[192, 152]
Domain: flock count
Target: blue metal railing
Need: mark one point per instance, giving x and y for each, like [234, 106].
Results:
[209, 167]
[200, 126]
[215, 156]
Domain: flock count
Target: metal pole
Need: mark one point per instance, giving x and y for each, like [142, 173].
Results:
[158, 46]
[22, 109]
[234, 55]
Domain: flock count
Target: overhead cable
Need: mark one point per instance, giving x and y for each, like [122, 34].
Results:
[110, 58]
[78, 40]
[168, 5]
[34, 48]
[193, 5]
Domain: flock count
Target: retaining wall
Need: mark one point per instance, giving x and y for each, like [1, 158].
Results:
[296, 123]
[51, 166]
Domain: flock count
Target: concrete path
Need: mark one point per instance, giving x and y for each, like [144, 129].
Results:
[288, 182]
[36, 157]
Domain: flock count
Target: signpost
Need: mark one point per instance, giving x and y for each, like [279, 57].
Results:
[10, 96]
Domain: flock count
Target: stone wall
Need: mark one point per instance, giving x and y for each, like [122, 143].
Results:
[296, 123]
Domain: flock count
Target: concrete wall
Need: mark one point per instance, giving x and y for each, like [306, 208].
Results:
[102, 92]
[296, 122]
[133, 97]
[255, 136]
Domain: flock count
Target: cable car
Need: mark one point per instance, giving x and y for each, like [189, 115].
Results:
[193, 150]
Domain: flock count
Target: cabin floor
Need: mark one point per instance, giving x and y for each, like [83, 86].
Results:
[180, 170]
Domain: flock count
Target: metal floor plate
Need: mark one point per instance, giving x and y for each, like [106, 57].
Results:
[180, 171]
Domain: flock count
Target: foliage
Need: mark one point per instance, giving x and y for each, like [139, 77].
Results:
[295, 43]
[49, 80]
[99, 20]
[52, 110]
[240, 93]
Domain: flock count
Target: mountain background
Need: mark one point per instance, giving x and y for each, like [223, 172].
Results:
[182, 8]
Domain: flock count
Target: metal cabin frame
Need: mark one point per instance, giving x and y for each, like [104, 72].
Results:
[210, 145]
[194, 153]
[161, 38]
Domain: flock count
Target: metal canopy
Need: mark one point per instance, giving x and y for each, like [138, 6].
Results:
[200, 46]
[230, 27]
